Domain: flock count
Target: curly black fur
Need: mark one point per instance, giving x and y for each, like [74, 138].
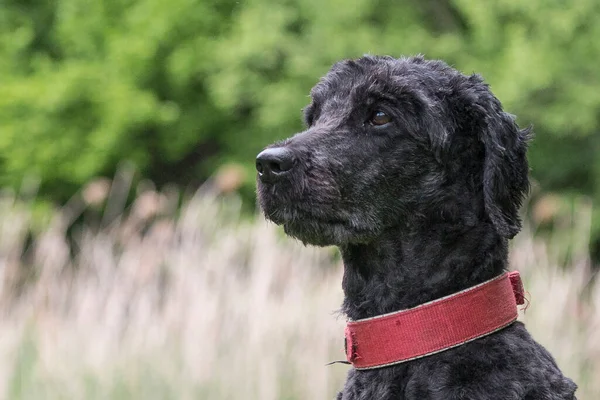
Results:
[420, 207]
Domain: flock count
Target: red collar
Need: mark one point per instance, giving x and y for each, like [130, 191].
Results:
[434, 326]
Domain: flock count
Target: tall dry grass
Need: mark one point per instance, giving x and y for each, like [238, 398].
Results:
[161, 302]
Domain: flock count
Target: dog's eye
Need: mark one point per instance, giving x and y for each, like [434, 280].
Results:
[380, 118]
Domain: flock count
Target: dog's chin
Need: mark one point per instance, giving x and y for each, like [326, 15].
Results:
[318, 231]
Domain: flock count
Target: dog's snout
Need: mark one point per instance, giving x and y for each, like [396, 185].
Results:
[274, 163]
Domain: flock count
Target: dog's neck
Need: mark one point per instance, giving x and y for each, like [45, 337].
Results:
[400, 270]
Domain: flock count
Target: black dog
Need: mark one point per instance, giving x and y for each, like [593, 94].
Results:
[414, 171]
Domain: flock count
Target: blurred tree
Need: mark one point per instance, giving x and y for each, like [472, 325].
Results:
[182, 86]
[85, 84]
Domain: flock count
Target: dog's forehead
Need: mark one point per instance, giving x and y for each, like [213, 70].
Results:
[382, 73]
[379, 76]
[348, 76]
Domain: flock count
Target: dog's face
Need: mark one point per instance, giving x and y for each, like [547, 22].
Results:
[380, 150]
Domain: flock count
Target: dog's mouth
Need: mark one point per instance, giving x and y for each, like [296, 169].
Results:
[314, 226]
[291, 215]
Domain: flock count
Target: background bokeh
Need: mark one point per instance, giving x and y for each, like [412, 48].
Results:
[128, 131]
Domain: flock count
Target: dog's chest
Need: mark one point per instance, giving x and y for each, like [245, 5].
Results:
[388, 384]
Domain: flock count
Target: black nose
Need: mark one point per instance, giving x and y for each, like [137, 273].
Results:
[273, 164]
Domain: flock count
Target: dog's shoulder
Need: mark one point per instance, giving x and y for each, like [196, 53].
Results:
[506, 365]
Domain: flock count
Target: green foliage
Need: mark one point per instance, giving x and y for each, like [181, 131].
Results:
[86, 84]
[182, 86]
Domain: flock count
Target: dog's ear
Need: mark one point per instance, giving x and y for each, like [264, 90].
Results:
[505, 167]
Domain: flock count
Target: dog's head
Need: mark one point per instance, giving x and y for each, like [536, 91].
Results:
[395, 142]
